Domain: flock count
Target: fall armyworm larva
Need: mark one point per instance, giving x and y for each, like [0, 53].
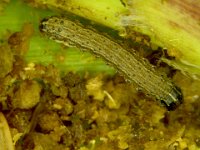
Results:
[133, 67]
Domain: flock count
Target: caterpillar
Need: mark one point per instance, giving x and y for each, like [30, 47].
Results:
[129, 64]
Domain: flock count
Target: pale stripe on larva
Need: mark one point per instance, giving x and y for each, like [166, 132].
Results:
[134, 68]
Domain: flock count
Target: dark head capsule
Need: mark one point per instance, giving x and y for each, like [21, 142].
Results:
[173, 99]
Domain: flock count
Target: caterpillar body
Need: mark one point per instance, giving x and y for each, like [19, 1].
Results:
[131, 65]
